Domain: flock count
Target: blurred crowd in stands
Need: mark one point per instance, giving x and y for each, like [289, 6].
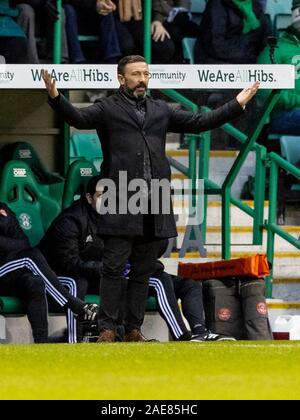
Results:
[228, 32]
[232, 31]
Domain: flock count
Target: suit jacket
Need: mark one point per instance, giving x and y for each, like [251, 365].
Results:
[123, 139]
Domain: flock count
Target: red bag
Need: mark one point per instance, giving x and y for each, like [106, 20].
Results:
[255, 266]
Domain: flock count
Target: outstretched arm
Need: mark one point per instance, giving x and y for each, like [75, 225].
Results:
[82, 118]
[188, 122]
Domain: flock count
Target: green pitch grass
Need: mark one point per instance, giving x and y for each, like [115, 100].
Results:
[241, 370]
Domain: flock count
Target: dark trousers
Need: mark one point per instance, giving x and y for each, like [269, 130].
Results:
[86, 285]
[79, 22]
[31, 289]
[14, 49]
[167, 51]
[133, 35]
[180, 28]
[141, 253]
[167, 289]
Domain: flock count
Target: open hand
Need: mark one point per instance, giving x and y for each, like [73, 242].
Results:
[49, 84]
[247, 94]
[105, 7]
[159, 32]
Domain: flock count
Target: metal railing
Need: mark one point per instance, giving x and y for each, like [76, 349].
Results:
[263, 160]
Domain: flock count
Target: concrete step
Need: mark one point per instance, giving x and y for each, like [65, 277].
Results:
[214, 212]
[219, 165]
[286, 288]
[277, 307]
[77, 96]
[238, 217]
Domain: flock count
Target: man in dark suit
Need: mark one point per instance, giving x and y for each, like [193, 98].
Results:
[132, 128]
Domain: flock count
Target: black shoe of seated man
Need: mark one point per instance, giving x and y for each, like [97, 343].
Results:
[90, 332]
[208, 336]
[89, 312]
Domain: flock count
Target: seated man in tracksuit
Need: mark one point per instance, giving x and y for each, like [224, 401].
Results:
[25, 273]
[73, 248]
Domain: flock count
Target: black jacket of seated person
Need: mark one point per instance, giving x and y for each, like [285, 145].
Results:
[18, 258]
[223, 39]
[19, 282]
[74, 248]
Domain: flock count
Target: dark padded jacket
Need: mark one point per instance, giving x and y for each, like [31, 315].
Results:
[12, 237]
[221, 39]
[72, 245]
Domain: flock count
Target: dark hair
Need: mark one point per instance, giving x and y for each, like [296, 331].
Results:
[92, 184]
[128, 60]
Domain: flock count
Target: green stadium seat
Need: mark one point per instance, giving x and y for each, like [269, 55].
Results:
[281, 22]
[11, 305]
[290, 149]
[198, 6]
[188, 45]
[88, 38]
[51, 184]
[21, 192]
[79, 174]
[275, 7]
[72, 153]
[87, 145]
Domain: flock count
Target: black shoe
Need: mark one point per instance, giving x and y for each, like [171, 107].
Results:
[90, 332]
[211, 337]
[89, 338]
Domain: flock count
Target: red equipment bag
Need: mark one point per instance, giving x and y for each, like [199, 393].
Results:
[255, 266]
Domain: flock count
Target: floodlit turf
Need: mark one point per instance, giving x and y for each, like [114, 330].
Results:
[241, 370]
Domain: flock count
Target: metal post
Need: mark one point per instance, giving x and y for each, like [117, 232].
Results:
[66, 131]
[57, 35]
[203, 173]
[192, 141]
[225, 194]
[271, 220]
[259, 195]
[147, 15]
[66, 138]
